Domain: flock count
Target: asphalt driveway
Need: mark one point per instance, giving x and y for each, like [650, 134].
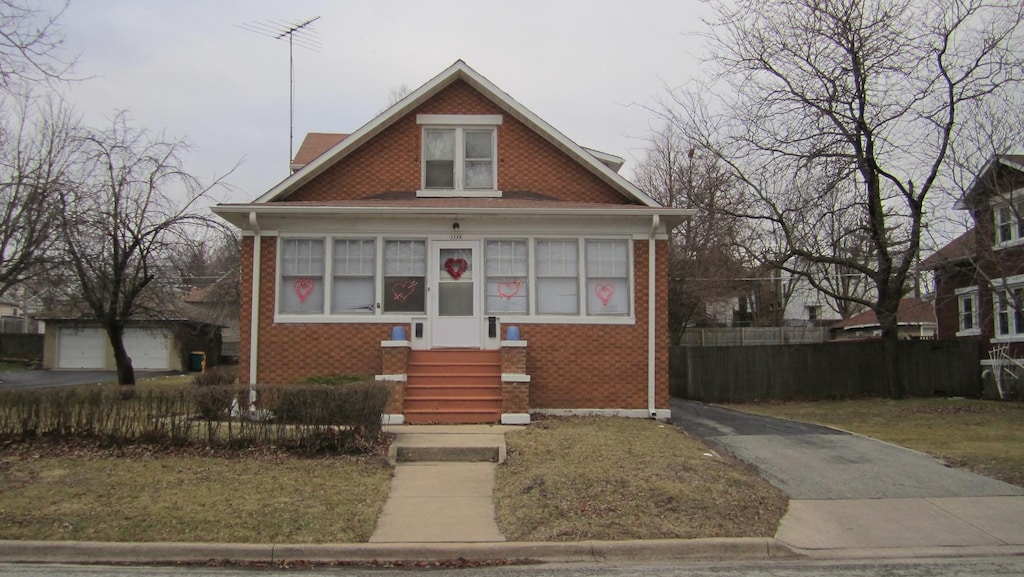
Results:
[812, 462]
[40, 379]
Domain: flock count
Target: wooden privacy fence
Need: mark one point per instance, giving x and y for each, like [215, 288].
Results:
[21, 346]
[822, 371]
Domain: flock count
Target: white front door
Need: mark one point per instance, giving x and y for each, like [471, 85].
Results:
[455, 294]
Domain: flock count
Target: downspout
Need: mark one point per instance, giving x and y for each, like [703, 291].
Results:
[254, 318]
[652, 306]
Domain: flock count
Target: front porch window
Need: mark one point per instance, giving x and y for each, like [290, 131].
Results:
[405, 275]
[607, 277]
[508, 276]
[558, 277]
[302, 276]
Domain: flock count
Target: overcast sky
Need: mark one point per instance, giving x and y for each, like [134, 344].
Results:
[184, 67]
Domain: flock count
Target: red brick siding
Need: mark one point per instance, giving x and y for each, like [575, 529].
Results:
[391, 160]
[601, 366]
[571, 366]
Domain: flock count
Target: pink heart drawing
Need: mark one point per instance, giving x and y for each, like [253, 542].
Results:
[509, 288]
[403, 290]
[303, 288]
[604, 292]
[455, 267]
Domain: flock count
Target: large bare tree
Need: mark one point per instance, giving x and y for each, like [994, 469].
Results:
[132, 204]
[38, 142]
[823, 107]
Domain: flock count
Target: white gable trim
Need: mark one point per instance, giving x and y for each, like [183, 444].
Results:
[458, 70]
[460, 119]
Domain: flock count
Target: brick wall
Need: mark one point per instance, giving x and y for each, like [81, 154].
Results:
[391, 161]
[570, 366]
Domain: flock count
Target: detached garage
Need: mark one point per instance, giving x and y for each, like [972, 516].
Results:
[152, 346]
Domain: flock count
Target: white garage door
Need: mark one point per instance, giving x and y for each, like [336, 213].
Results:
[81, 348]
[148, 348]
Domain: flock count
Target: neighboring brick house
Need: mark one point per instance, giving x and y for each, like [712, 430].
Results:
[416, 247]
[979, 277]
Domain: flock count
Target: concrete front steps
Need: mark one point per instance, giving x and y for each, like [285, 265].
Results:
[453, 386]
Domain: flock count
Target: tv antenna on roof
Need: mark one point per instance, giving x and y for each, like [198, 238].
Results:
[298, 33]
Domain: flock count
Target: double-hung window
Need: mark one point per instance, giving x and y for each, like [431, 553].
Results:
[302, 276]
[405, 276]
[967, 311]
[507, 266]
[607, 277]
[459, 154]
[354, 268]
[1009, 219]
[558, 285]
[1008, 318]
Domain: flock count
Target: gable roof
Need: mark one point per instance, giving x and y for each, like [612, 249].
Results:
[961, 248]
[911, 311]
[458, 71]
[989, 175]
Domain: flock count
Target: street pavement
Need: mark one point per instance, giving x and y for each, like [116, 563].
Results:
[858, 495]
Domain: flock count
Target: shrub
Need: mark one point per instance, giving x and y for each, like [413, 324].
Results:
[216, 376]
[355, 404]
[334, 379]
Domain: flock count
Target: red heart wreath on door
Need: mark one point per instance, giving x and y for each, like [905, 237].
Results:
[455, 267]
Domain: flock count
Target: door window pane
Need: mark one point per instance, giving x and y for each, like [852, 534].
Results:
[455, 282]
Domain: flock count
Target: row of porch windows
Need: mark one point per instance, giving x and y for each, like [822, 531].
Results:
[349, 273]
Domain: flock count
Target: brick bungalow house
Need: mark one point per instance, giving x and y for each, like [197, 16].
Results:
[979, 276]
[466, 253]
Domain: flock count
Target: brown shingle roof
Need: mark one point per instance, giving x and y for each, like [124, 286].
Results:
[960, 248]
[911, 312]
[315, 144]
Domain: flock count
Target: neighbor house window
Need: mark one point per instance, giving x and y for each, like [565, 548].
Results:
[557, 277]
[1010, 222]
[405, 272]
[607, 277]
[507, 268]
[354, 268]
[967, 311]
[302, 276]
[1009, 321]
[813, 312]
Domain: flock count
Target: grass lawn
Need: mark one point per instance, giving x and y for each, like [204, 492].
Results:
[144, 497]
[984, 436]
[617, 479]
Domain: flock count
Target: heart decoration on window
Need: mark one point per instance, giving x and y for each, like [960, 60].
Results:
[303, 288]
[509, 288]
[604, 292]
[455, 267]
[401, 291]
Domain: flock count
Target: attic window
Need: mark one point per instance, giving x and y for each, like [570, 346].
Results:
[459, 155]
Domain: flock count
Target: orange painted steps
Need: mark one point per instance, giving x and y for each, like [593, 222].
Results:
[453, 386]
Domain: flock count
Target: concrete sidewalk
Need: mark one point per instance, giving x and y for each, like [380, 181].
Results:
[443, 487]
[825, 528]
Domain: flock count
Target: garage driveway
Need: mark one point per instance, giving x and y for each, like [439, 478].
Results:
[40, 379]
[811, 462]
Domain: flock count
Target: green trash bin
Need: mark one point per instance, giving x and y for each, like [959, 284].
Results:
[197, 361]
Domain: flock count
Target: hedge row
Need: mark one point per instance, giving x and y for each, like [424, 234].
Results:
[302, 417]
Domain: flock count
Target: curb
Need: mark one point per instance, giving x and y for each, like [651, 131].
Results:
[582, 551]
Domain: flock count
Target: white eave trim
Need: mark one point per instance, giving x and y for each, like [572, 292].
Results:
[458, 70]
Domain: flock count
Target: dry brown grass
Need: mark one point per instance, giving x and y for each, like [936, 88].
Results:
[259, 498]
[984, 436]
[618, 479]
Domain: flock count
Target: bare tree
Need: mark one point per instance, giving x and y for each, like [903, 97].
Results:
[133, 202]
[30, 44]
[705, 259]
[38, 141]
[850, 105]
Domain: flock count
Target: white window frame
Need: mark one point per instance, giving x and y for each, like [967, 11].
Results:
[1008, 219]
[379, 315]
[460, 124]
[1003, 290]
[970, 295]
